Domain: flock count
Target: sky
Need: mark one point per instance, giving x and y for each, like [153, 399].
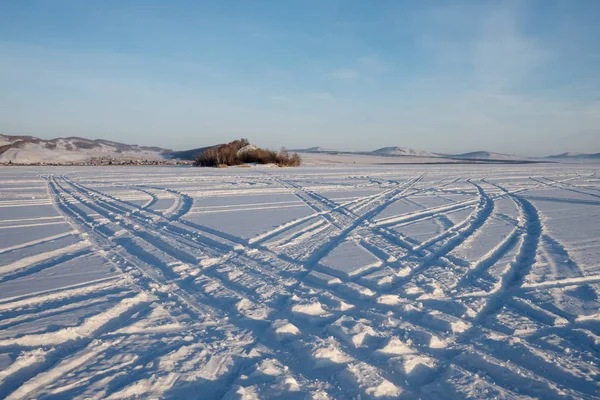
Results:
[517, 77]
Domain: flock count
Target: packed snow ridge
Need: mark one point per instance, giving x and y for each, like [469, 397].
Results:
[344, 282]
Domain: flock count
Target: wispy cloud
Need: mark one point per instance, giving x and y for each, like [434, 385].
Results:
[346, 74]
[502, 55]
[280, 99]
[326, 96]
[492, 51]
[367, 67]
[373, 64]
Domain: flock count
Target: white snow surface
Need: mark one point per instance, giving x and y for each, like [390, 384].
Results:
[318, 282]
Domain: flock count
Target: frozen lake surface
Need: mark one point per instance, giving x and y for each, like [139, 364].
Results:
[452, 281]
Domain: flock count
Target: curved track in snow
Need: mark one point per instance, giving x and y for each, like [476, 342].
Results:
[295, 283]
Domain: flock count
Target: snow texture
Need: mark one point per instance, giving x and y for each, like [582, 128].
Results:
[337, 282]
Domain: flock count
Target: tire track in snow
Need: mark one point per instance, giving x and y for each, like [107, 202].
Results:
[38, 241]
[561, 185]
[151, 278]
[452, 238]
[35, 263]
[159, 243]
[153, 197]
[412, 245]
[511, 281]
[149, 281]
[183, 203]
[139, 252]
[249, 350]
[531, 230]
[24, 379]
[512, 284]
[386, 197]
[281, 312]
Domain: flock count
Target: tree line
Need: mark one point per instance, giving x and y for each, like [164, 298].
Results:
[240, 152]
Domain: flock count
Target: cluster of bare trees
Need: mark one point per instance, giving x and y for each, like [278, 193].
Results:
[224, 154]
[282, 158]
[229, 154]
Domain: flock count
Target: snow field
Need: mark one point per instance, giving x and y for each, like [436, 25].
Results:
[315, 282]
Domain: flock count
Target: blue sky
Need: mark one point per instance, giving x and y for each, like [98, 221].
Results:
[516, 76]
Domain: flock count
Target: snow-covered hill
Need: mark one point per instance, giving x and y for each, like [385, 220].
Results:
[571, 155]
[316, 149]
[31, 150]
[409, 155]
[403, 151]
[486, 155]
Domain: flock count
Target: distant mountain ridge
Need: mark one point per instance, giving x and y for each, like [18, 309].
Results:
[23, 149]
[403, 151]
[481, 155]
[189, 155]
[74, 143]
[73, 149]
[576, 155]
[396, 151]
[486, 155]
[315, 150]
